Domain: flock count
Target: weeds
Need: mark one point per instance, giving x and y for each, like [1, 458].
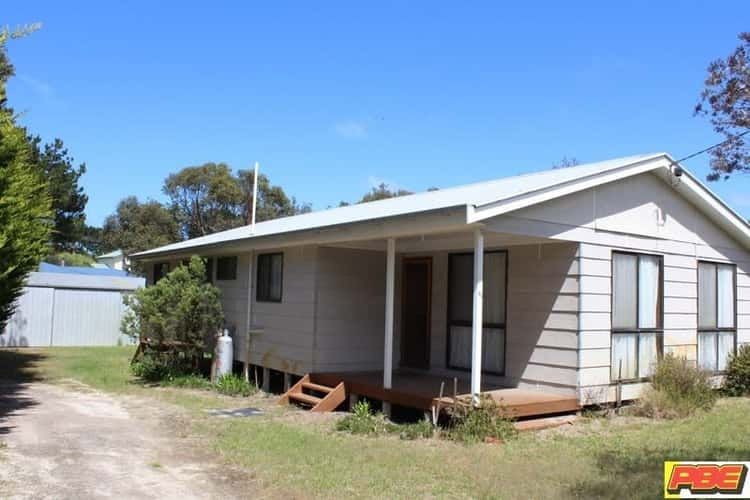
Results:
[486, 421]
[738, 373]
[363, 421]
[191, 381]
[422, 429]
[234, 385]
[678, 389]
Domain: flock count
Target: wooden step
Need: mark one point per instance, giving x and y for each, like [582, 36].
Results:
[305, 398]
[317, 387]
[334, 396]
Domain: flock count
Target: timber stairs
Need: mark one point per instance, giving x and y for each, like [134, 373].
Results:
[315, 397]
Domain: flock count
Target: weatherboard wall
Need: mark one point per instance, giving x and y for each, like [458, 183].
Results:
[639, 214]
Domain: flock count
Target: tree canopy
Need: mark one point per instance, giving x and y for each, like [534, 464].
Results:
[137, 226]
[382, 192]
[24, 201]
[725, 100]
[566, 162]
[210, 198]
[205, 198]
[273, 202]
[68, 198]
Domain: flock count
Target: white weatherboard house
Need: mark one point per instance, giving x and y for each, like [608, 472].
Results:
[552, 288]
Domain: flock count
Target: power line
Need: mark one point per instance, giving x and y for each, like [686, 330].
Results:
[712, 147]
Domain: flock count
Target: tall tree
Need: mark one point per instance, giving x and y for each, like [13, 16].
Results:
[68, 199]
[24, 200]
[726, 101]
[273, 202]
[383, 192]
[206, 198]
[137, 226]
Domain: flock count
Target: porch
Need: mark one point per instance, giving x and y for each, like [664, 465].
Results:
[394, 318]
[422, 391]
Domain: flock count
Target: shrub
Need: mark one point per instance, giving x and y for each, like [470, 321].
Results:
[191, 381]
[362, 421]
[151, 368]
[472, 424]
[234, 385]
[176, 317]
[678, 389]
[737, 382]
[422, 429]
[71, 259]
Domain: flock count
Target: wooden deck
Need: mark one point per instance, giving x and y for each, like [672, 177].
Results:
[422, 391]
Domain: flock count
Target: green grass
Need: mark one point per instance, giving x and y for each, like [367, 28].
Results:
[596, 458]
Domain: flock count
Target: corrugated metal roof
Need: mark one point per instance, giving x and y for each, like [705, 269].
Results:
[84, 281]
[472, 194]
[46, 267]
[109, 255]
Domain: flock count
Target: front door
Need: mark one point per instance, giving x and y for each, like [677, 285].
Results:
[415, 312]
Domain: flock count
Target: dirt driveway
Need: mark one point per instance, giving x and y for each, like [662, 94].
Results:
[62, 443]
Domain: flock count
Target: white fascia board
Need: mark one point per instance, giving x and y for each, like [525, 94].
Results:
[429, 222]
[493, 209]
[718, 211]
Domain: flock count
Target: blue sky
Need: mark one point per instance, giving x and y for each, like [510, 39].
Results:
[333, 98]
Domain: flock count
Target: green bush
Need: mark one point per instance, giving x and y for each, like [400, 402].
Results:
[422, 429]
[737, 381]
[71, 259]
[191, 381]
[474, 424]
[234, 385]
[678, 389]
[25, 214]
[362, 421]
[175, 317]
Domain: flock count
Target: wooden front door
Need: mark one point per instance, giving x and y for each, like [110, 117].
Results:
[415, 312]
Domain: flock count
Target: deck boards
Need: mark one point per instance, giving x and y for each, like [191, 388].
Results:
[421, 391]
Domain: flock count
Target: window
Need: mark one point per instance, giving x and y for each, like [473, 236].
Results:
[716, 319]
[460, 311]
[161, 269]
[226, 268]
[270, 275]
[637, 314]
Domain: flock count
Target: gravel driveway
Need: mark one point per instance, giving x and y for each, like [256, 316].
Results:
[61, 443]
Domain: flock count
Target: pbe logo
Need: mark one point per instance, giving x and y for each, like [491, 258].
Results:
[704, 479]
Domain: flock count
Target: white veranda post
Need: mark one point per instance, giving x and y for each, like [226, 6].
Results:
[476, 318]
[390, 277]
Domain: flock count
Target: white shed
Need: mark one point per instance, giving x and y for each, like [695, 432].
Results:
[70, 309]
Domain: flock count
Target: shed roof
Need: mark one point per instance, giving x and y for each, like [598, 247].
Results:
[110, 255]
[46, 267]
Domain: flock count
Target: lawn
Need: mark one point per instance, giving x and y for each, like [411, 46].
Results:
[610, 458]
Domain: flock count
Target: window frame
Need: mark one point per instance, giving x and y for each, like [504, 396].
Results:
[270, 256]
[703, 330]
[637, 330]
[498, 326]
[236, 261]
